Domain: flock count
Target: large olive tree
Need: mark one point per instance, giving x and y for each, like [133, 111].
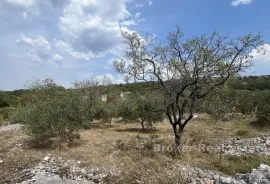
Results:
[186, 69]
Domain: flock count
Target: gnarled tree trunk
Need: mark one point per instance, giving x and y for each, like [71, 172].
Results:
[178, 132]
[142, 123]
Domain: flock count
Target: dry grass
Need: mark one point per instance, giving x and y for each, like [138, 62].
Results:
[15, 155]
[119, 145]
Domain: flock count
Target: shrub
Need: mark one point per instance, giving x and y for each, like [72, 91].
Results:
[220, 105]
[5, 112]
[263, 108]
[57, 112]
[242, 133]
[247, 101]
[16, 115]
[145, 109]
[111, 107]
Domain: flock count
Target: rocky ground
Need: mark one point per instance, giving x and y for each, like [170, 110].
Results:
[257, 145]
[56, 170]
[198, 176]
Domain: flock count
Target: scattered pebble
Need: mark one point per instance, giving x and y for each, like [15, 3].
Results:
[55, 170]
[194, 175]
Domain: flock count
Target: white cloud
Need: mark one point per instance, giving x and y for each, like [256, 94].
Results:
[239, 2]
[92, 27]
[23, 3]
[33, 8]
[150, 3]
[261, 61]
[132, 22]
[80, 55]
[118, 79]
[54, 31]
[67, 48]
[62, 46]
[24, 7]
[128, 23]
[262, 57]
[37, 51]
[58, 57]
[38, 47]
[39, 43]
[115, 79]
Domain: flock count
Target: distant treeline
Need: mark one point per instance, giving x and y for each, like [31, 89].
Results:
[251, 83]
[243, 83]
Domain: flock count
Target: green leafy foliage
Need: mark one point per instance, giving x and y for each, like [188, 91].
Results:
[220, 104]
[5, 112]
[251, 83]
[145, 108]
[111, 107]
[263, 108]
[54, 112]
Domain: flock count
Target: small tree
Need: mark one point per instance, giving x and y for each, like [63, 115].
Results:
[221, 104]
[56, 112]
[185, 69]
[142, 109]
[111, 107]
[263, 108]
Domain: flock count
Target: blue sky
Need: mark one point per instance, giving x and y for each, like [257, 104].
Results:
[70, 40]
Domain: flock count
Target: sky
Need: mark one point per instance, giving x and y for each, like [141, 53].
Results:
[70, 40]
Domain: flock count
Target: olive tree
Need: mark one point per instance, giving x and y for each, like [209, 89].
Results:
[56, 112]
[263, 108]
[221, 104]
[185, 69]
[143, 109]
[112, 104]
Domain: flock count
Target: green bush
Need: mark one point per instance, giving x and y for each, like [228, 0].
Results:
[220, 104]
[263, 108]
[57, 112]
[111, 107]
[247, 101]
[16, 115]
[5, 112]
[145, 109]
[57, 116]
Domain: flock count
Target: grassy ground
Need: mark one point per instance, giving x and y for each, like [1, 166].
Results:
[120, 145]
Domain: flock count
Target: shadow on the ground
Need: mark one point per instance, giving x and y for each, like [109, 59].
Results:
[101, 126]
[261, 125]
[146, 131]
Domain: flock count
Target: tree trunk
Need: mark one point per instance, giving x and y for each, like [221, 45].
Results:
[178, 131]
[110, 122]
[142, 123]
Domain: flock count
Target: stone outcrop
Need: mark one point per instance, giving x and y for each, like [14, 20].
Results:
[57, 170]
[237, 146]
[195, 175]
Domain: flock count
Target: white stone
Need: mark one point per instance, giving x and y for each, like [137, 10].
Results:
[263, 166]
[46, 158]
